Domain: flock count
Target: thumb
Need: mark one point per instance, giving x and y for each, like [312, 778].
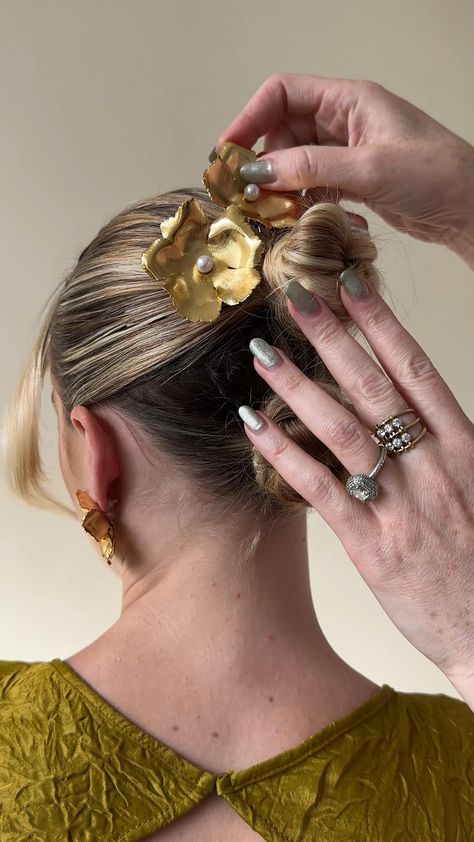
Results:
[352, 171]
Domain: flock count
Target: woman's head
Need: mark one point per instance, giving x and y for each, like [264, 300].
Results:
[114, 343]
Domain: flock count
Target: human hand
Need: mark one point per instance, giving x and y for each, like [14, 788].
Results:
[369, 146]
[413, 544]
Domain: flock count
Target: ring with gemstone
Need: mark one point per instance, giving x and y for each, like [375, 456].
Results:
[363, 486]
[393, 435]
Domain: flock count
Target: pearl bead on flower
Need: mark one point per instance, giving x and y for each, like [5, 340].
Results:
[251, 192]
[204, 263]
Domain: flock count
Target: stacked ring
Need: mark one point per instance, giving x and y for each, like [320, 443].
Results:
[392, 433]
[392, 436]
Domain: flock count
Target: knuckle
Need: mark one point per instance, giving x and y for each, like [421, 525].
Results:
[370, 87]
[279, 446]
[376, 161]
[416, 368]
[274, 80]
[373, 386]
[304, 168]
[318, 486]
[329, 333]
[346, 433]
[271, 91]
[291, 381]
[274, 86]
[378, 320]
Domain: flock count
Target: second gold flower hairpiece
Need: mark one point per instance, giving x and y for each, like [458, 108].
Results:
[202, 265]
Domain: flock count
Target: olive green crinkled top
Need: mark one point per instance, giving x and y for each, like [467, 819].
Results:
[399, 768]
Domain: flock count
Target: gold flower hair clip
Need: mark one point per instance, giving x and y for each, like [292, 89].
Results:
[202, 265]
[225, 185]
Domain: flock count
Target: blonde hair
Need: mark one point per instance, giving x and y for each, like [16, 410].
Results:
[111, 336]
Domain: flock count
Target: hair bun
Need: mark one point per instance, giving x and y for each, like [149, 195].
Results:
[314, 252]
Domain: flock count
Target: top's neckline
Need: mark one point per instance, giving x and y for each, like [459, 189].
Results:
[226, 781]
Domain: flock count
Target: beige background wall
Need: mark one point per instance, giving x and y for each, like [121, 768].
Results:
[105, 102]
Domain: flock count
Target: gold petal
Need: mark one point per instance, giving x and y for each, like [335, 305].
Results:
[235, 285]
[194, 296]
[101, 529]
[221, 184]
[222, 178]
[273, 210]
[85, 501]
[225, 186]
[231, 240]
[185, 241]
[165, 263]
[191, 207]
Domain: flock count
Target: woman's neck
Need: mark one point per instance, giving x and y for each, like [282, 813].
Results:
[233, 630]
[212, 647]
[209, 604]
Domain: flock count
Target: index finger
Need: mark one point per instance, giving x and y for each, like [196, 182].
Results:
[285, 95]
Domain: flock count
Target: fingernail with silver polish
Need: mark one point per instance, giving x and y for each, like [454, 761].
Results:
[301, 298]
[212, 155]
[251, 418]
[263, 351]
[353, 284]
[257, 171]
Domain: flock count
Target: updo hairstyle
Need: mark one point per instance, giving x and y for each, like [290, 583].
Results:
[110, 336]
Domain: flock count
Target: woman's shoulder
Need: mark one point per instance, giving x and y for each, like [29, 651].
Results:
[22, 682]
[430, 730]
[10, 672]
[18, 676]
[27, 700]
[437, 713]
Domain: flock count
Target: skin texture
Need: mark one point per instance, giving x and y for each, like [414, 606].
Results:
[202, 648]
[413, 546]
[370, 146]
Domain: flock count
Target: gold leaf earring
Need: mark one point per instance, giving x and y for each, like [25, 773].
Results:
[97, 524]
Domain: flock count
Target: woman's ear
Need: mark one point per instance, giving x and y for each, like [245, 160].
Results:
[101, 463]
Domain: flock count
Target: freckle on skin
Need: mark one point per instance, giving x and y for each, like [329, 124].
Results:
[270, 637]
[440, 631]
[270, 698]
[239, 595]
[175, 727]
[215, 733]
[433, 613]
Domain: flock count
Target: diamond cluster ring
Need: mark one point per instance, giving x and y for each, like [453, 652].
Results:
[393, 437]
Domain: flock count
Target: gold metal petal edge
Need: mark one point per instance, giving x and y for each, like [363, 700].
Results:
[226, 186]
